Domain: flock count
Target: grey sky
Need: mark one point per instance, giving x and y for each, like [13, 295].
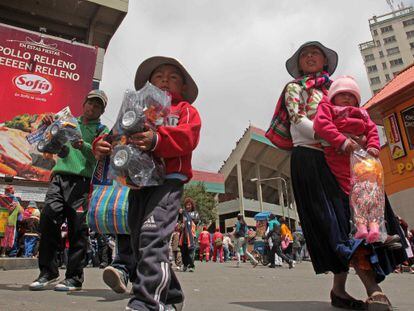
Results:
[236, 52]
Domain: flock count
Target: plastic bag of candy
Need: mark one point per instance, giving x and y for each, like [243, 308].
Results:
[367, 197]
[51, 139]
[140, 111]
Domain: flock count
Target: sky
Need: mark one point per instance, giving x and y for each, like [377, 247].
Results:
[235, 50]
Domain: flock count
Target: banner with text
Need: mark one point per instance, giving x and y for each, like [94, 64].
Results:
[39, 74]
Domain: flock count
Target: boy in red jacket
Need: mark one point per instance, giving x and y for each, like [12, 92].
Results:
[153, 211]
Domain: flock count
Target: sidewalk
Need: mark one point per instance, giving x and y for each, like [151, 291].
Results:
[212, 286]
[13, 263]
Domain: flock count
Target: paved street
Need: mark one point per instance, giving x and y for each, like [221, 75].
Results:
[212, 287]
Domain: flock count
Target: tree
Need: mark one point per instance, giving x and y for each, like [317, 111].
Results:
[205, 203]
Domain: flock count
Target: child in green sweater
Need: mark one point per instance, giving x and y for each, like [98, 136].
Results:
[66, 199]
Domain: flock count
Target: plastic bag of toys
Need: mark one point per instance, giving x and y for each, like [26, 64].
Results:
[51, 139]
[140, 110]
[367, 197]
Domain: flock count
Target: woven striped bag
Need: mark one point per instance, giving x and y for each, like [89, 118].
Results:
[108, 203]
[108, 209]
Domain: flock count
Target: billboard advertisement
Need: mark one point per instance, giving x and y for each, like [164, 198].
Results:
[38, 74]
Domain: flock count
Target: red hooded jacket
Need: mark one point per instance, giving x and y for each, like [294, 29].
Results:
[177, 140]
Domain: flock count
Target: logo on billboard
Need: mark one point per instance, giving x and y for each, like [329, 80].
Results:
[32, 83]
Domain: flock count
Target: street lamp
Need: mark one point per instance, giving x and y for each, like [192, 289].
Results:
[286, 193]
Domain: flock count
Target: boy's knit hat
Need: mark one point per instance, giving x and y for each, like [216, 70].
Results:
[344, 84]
[146, 68]
[292, 64]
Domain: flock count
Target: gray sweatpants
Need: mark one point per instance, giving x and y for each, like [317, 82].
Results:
[152, 217]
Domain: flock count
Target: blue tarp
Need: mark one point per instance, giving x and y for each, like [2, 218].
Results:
[262, 216]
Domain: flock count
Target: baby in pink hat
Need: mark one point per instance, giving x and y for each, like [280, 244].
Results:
[338, 119]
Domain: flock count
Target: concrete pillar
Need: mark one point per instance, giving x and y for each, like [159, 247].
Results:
[281, 195]
[240, 187]
[259, 187]
[216, 201]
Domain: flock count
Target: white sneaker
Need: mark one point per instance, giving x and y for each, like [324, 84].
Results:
[41, 282]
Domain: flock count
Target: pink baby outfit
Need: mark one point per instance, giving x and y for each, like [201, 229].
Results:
[334, 124]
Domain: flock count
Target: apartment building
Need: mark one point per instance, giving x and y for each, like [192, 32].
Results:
[391, 48]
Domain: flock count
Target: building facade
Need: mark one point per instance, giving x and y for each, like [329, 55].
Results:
[256, 179]
[393, 108]
[391, 48]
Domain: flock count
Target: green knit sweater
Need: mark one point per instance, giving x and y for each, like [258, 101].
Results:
[81, 162]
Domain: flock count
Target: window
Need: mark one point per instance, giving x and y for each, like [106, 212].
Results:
[387, 77]
[410, 34]
[389, 40]
[408, 22]
[395, 73]
[384, 65]
[393, 51]
[412, 45]
[378, 43]
[375, 80]
[372, 68]
[369, 57]
[396, 62]
[386, 29]
[381, 53]
[375, 32]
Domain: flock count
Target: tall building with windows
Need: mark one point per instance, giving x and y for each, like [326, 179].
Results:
[391, 48]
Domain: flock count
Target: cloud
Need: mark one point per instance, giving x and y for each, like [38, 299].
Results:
[236, 52]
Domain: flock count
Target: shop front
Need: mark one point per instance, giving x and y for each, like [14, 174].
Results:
[393, 108]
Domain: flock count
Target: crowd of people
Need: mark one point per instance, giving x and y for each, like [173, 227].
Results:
[238, 245]
[318, 120]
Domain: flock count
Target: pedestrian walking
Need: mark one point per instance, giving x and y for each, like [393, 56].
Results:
[204, 242]
[31, 229]
[240, 234]
[153, 211]
[218, 245]
[175, 247]
[66, 199]
[276, 237]
[323, 207]
[188, 218]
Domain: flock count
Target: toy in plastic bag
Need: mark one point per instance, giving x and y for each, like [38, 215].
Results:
[140, 110]
[52, 139]
[367, 197]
